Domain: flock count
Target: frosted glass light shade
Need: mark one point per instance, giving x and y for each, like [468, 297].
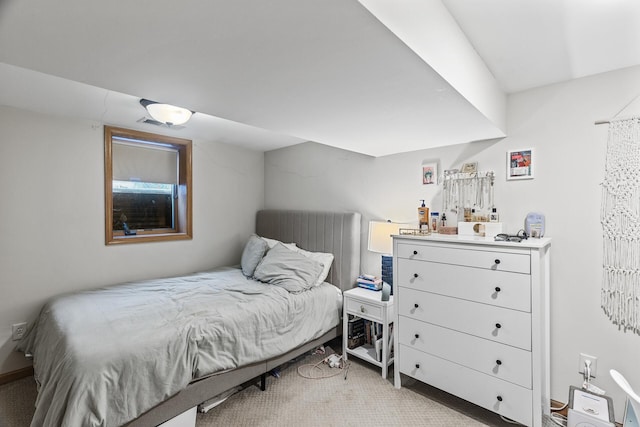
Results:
[169, 114]
[380, 233]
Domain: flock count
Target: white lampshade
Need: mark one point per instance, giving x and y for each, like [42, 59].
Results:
[380, 233]
[169, 114]
[624, 385]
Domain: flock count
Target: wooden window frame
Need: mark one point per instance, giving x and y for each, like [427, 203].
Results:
[183, 211]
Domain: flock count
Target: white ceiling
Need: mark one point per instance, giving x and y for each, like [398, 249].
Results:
[531, 43]
[273, 74]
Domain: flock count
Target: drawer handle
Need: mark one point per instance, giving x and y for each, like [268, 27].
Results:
[499, 398]
[498, 289]
[417, 366]
[498, 362]
[498, 325]
[497, 261]
[417, 336]
[415, 252]
[415, 305]
[362, 310]
[415, 275]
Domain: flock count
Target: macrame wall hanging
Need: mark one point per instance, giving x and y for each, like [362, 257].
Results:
[620, 218]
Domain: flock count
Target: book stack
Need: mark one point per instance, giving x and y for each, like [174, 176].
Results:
[373, 338]
[367, 333]
[356, 332]
[368, 281]
[376, 341]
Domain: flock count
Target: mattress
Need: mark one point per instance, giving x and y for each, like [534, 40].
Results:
[103, 357]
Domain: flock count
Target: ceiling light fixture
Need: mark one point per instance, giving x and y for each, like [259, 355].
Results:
[167, 113]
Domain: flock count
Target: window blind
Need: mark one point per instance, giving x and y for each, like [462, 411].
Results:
[144, 162]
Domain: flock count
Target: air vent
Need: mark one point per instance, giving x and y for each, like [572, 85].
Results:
[149, 121]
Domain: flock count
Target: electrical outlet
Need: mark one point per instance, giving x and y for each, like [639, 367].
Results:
[18, 330]
[594, 364]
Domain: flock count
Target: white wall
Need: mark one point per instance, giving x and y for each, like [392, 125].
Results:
[558, 122]
[52, 216]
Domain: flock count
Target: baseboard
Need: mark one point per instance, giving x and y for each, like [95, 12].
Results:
[16, 375]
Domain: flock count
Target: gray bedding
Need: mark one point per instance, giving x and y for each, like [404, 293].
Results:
[103, 357]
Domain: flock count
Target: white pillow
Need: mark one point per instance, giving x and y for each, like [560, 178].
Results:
[288, 269]
[272, 242]
[254, 250]
[326, 259]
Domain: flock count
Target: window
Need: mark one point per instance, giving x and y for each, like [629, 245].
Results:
[147, 187]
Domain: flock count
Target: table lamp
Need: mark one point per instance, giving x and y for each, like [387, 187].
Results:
[380, 241]
[632, 407]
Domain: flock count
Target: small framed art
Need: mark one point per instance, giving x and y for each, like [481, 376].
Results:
[520, 164]
[471, 167]
[429, 173]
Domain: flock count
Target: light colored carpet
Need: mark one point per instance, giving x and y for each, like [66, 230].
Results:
[364, 398]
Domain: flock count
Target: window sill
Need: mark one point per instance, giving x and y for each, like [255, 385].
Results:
[143, 238]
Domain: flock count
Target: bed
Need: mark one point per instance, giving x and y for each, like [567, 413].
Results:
[141, 353]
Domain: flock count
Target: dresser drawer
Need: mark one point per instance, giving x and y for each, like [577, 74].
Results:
[498, 324]
[516, 260]
[501, 288]
[483, 390]
[494, 359]
[364, 309]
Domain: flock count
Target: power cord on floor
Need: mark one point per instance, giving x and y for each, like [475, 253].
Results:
[334, 361]
[558, 419]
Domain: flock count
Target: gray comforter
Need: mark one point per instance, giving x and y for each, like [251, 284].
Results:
[103, 357]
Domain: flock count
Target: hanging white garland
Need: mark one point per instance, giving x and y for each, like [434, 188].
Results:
[620, 218]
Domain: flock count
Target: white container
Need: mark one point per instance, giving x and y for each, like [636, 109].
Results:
[534, 224]
[479, 229]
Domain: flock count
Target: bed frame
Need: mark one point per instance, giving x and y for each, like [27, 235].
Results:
[334, 232]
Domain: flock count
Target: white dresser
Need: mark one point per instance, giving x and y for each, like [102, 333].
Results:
[472, 319]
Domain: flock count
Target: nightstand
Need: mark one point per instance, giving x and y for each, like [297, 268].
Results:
[366, 304]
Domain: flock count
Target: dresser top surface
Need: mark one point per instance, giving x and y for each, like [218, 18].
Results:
[475, 240]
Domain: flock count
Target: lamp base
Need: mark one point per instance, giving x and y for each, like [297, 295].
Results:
[386, 291]
[387, 270]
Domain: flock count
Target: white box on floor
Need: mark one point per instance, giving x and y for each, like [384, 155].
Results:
[580, 419]
[480, 229]
[587, 409]
[186, 419]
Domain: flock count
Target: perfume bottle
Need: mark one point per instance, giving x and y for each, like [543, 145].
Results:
[468, 215]
[493, 216]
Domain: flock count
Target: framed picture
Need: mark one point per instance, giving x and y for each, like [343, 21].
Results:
[469, 167]
[430, 173]
[520, 164]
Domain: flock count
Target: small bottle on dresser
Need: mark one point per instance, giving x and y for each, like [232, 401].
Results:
[435, 221]
[493, 216]
[468, 215]
[423, 216]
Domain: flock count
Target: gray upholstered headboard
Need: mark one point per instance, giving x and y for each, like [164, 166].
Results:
[334, 232]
